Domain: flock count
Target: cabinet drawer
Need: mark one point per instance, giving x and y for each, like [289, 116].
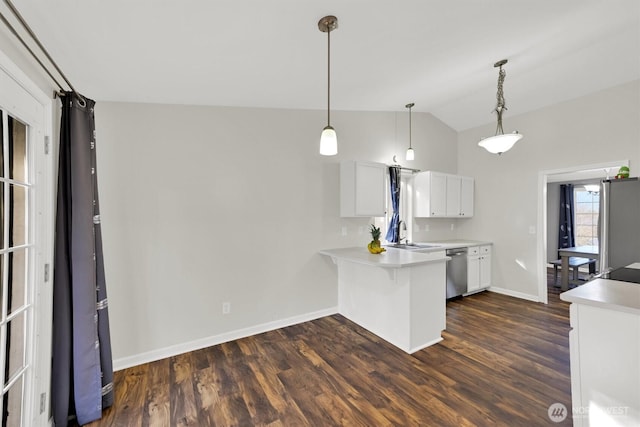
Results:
[485, 250]
[473, 250]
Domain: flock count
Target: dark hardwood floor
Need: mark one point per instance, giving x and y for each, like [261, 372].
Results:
[503, 362]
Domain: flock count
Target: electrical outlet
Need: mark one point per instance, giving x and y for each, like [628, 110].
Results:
[226, 307]
[344, 230]
[360, 230]
[452, 227]
[426, 227]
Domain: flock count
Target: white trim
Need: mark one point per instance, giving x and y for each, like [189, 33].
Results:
[13, 71]
[574, 173]
[558, 175]
[430, 343]
[162, 353]
[514, 294]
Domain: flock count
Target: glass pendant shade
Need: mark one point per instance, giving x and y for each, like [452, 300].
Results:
[500, 143]
[410, 154]
[328, 142]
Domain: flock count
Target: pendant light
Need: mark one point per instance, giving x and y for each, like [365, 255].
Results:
[328, 139]
[501, 142]
[410, 153]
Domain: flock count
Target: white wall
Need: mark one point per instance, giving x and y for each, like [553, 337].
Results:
[203, 205]
[602, 127]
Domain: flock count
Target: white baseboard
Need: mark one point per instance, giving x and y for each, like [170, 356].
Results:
[430, 343]
[162, 353]
[515, 294]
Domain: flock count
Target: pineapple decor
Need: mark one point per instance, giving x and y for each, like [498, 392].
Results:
[374, 246]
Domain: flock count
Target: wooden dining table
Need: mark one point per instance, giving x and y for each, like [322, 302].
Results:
[590, 252]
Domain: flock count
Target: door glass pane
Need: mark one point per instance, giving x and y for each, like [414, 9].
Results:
[17, 150]
[15, 351]
[17, 280]
[2, 291]
[18, 218]
[14, 265]
[3, 215]
[13, 405]
[1, 143]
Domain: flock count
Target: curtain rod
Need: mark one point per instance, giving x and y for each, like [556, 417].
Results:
[33, 36]
[396, 165]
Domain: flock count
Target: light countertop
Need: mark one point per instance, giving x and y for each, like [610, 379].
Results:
[392, 258]
[605, 293]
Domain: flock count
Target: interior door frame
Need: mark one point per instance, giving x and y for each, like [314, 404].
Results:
[598, 170]
[42, 149]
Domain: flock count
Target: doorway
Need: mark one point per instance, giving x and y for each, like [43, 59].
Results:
[583, 172]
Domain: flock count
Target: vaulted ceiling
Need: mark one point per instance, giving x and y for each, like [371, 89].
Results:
[437, 54]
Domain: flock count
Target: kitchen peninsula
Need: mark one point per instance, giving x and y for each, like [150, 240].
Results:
[398, 295]
[604, 345]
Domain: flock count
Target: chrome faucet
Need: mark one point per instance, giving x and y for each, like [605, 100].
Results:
[400, 239]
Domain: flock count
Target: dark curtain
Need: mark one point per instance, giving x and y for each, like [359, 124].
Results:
[82, 372]
[566, 236]
[393, 233]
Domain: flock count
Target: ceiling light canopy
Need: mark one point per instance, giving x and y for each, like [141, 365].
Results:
[501, 142]
[410, 152]
[328, 139]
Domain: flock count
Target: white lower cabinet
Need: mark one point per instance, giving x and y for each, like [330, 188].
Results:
[478, 268]
[605, 373]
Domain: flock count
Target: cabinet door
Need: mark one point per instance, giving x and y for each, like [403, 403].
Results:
[485, 271]
[430, 194]
[438, 194]
[370, 178]
[485, 266]
[362, 189]
[466, 196]
[453, 195]
[473, 273]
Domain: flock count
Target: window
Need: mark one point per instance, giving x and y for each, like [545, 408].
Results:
[587, 211]
[406, 207]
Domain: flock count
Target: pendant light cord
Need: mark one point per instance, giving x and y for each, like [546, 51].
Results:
[500, 106]
[329, 77]
[409, 106]
[410, 126]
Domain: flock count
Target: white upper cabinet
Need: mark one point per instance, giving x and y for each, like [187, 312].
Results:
[362, 189]
[443, 195]
[466, 196]
[453, 195]
[430, 190]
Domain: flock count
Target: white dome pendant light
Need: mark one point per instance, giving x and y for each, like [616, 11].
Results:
[501, 142]
[410, 153]
[328, 139]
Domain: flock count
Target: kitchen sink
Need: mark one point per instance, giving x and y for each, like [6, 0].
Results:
[412, 246]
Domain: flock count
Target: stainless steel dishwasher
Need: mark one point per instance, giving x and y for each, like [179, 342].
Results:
[456, 272]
